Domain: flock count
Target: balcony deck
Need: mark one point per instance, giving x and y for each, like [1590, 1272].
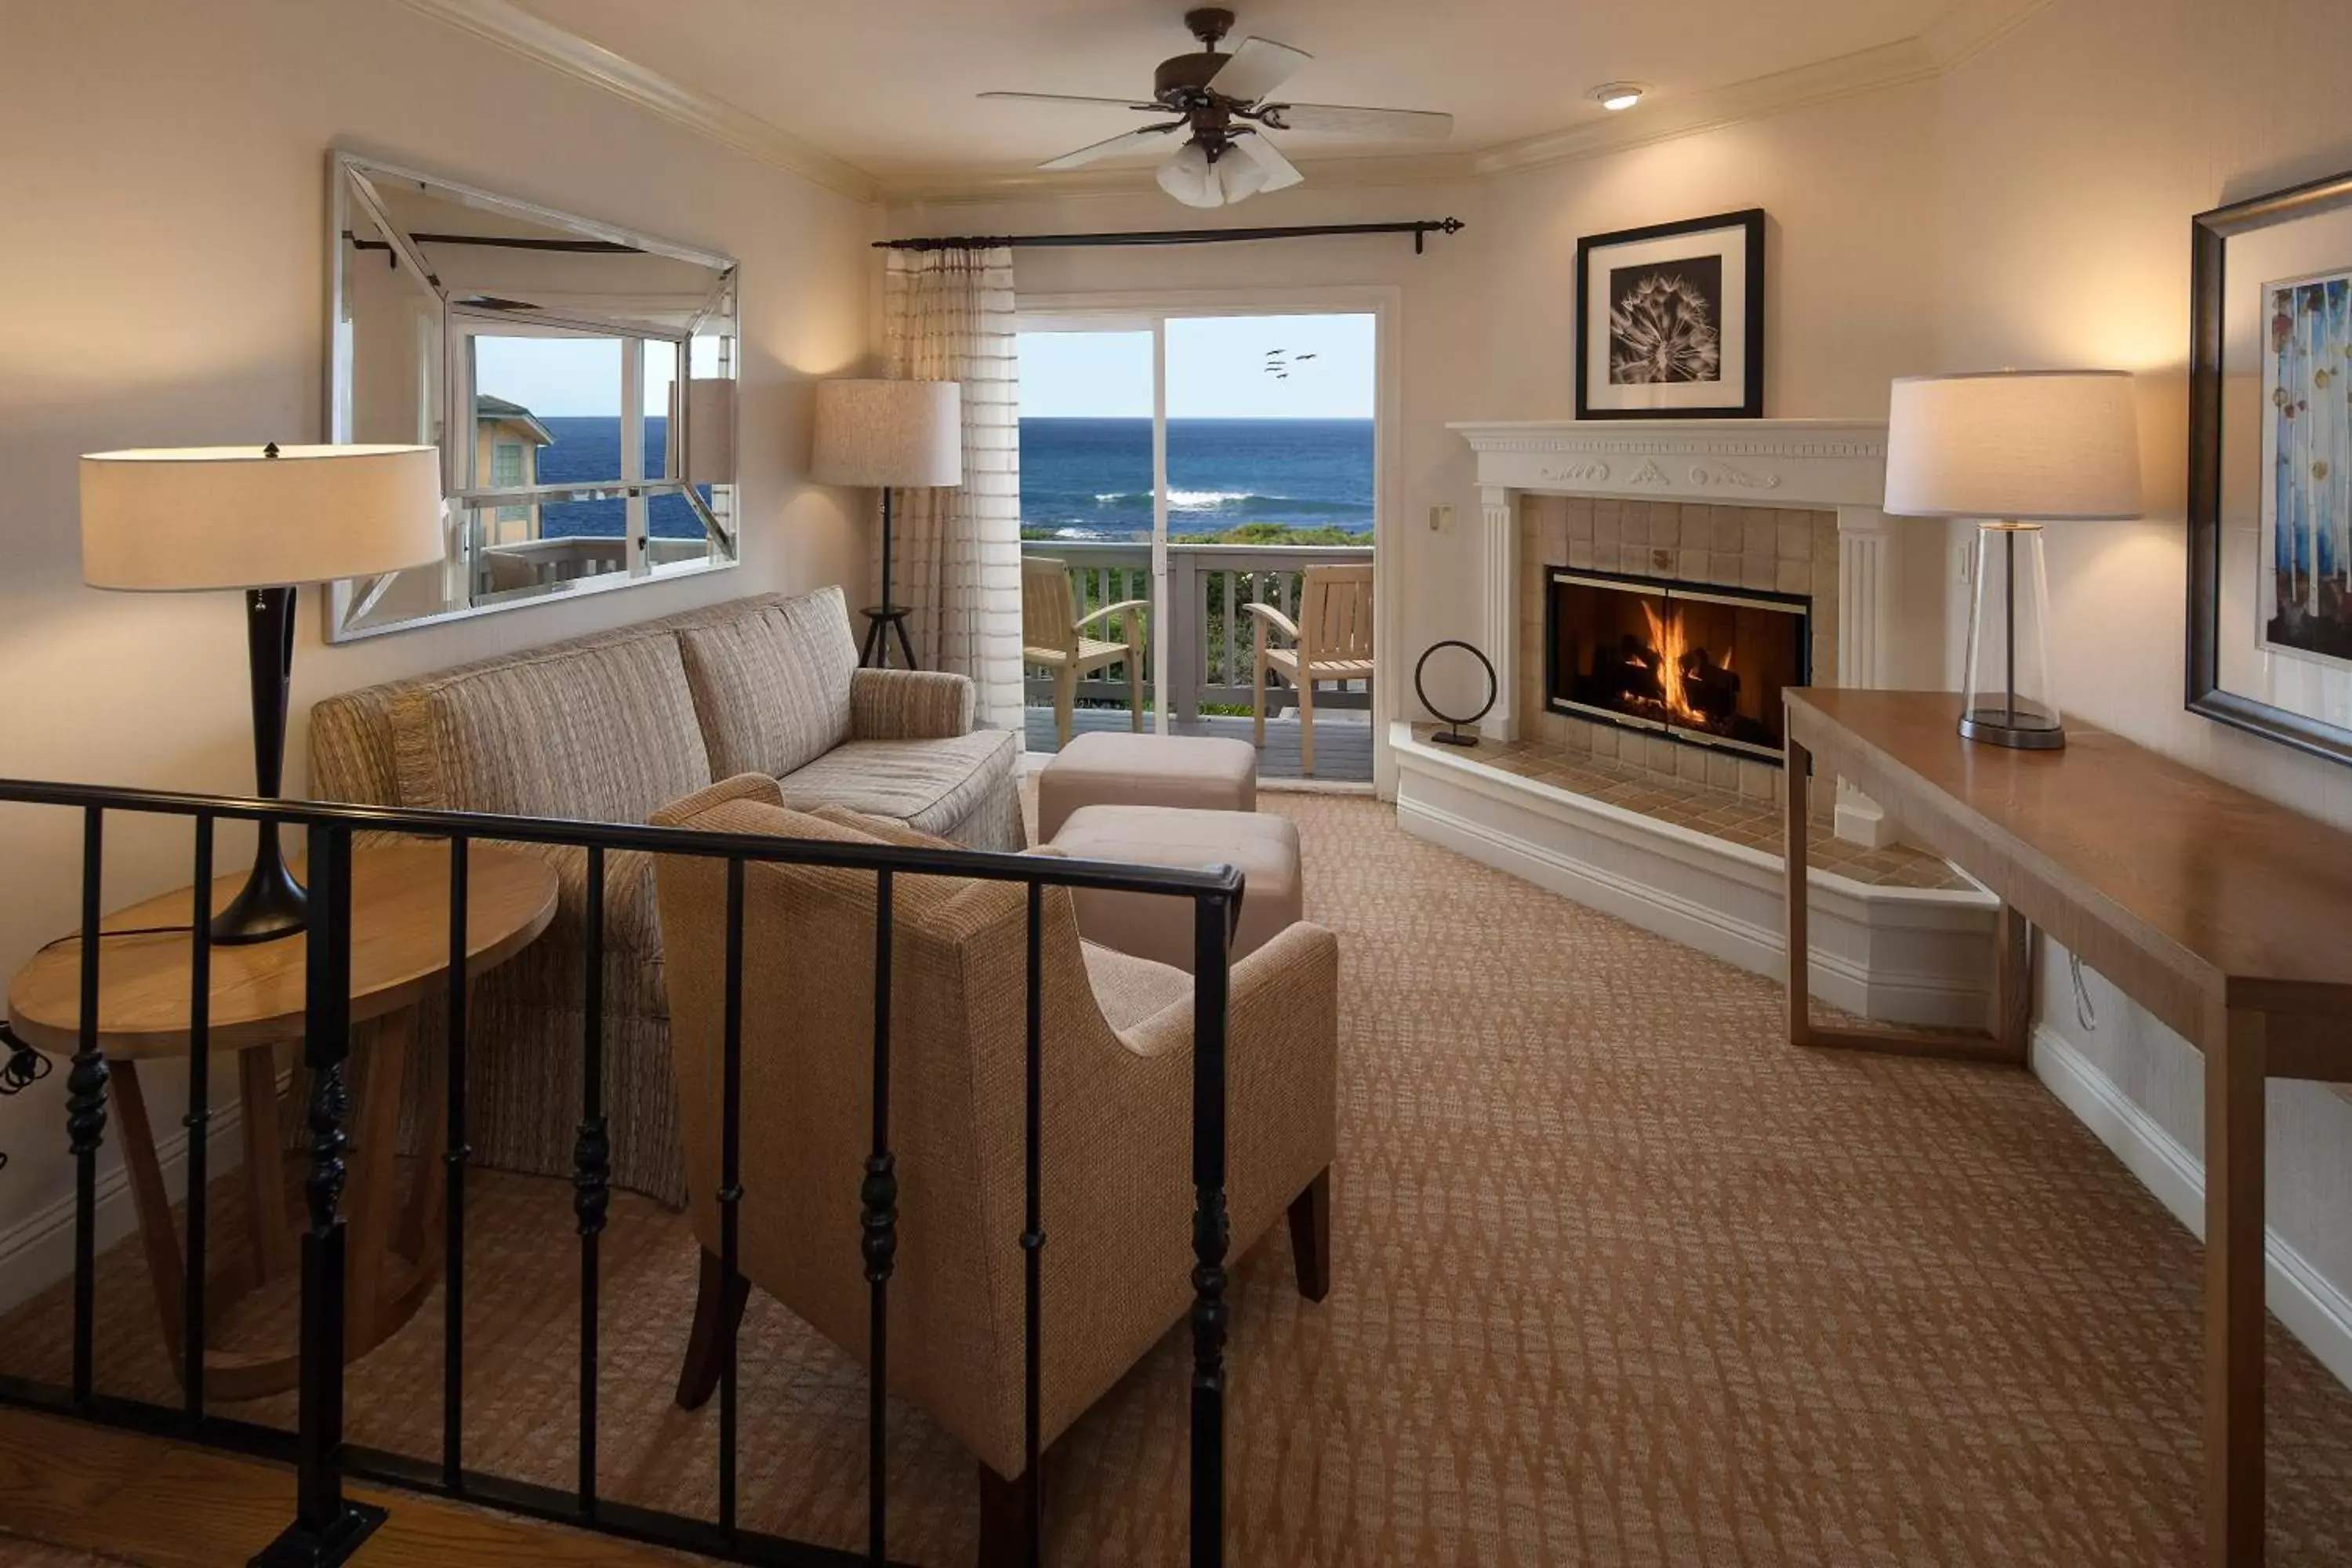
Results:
[1343, 740]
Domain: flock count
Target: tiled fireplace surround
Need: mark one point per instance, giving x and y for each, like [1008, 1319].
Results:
[1777, 549]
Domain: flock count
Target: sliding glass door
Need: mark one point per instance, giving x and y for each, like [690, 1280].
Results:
[1201, 464]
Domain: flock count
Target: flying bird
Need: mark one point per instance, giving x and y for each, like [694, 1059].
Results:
[1306, 356]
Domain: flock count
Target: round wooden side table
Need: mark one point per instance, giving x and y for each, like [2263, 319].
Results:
[399, 954]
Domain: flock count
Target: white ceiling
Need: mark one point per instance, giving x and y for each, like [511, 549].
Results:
[887, 84]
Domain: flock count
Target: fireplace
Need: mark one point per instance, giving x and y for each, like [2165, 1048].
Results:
[1702, 664]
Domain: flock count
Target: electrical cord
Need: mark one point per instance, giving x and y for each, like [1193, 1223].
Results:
[2085, 1014]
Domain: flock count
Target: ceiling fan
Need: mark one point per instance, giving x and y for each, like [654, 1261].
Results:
[1226, 103]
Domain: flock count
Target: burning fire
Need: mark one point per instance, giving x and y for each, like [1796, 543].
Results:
[1666, 640]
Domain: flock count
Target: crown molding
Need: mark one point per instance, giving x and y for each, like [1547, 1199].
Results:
[511, 26]
[1975, 28]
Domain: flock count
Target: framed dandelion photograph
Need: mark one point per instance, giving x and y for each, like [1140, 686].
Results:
[1670, 320]
[2269, 475]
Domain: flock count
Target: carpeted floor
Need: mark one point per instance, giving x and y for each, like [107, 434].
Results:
[1621, 1280]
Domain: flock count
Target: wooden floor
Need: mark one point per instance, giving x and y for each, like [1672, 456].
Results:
[1343, 740]
[74, 1493]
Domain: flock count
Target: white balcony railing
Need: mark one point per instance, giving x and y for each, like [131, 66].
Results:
[1211, 645]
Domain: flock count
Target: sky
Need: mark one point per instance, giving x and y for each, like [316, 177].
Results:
[558, 378]
[1217, 369]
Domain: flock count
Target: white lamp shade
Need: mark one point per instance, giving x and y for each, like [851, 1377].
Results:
[178, 517]
[2024, 446]
[899, 434]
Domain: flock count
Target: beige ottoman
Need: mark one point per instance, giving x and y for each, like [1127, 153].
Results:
[1158, 927]
[1106, 768]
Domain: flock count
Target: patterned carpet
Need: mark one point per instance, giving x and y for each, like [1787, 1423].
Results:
[1621, 1280]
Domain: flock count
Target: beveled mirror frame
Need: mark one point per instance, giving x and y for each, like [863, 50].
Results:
[349, 602]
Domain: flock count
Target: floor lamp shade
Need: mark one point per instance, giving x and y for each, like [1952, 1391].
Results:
[2013, 449]
[888, 434]
[885, 436]
[265, 519]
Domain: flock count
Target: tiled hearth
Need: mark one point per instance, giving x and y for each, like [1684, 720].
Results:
[1706, 808]
[1779, 550]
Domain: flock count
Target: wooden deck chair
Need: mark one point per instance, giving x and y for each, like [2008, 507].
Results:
[1054, 637]
[1331, 640]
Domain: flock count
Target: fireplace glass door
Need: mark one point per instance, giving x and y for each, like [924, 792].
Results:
[1704, 665]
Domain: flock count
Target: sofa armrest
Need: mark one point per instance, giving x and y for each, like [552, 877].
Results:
[908, 705]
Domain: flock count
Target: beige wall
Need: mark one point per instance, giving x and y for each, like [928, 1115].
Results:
[162, 281]
[2073, 156]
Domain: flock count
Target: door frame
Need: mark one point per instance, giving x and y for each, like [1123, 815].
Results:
[1139, 309]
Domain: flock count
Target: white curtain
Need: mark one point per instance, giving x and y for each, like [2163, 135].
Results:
[948, 316]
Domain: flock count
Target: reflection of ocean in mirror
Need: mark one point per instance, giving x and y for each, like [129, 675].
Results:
[587, 449]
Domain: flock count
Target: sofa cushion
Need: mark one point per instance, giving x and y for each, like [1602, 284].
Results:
[930, 785]
[772, 688]
[604, 734]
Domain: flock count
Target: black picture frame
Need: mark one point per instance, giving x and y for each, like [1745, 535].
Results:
[2208, 472]
[1594, 248]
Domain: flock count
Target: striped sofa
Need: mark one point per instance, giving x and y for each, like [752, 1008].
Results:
[610, 728]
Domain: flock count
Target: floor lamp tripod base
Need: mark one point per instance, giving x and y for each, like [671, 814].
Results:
[884, 618]
[271, 904]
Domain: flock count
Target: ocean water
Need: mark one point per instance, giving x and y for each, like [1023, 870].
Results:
[1091, 479]
[587, 450]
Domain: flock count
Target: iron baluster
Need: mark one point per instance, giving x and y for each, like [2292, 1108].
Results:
[198, 1121]
[731, 1175]
[86, 1110]
[879, 1196]
[592, 1162]
[454, 1155]
[328, 1526]
[1212, 916]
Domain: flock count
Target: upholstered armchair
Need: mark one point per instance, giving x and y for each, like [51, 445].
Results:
[1116, 1120]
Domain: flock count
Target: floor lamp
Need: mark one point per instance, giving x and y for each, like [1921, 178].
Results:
[2014, 449]
[888, 435]
[263, 520]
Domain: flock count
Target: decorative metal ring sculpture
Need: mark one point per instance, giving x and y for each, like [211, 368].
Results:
[1453, 735]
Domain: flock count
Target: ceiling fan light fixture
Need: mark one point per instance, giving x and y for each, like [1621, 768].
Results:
[1618, 96]
[1192, 178]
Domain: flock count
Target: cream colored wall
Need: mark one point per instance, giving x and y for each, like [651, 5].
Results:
[2074, 155]
[162, 282]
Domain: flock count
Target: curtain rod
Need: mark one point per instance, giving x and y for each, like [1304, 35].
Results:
[1419, 230]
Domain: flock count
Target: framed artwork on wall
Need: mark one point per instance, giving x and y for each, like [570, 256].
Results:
[2270, 467]
[1670, 320]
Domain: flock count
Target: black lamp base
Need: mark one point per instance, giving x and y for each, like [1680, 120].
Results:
[270, 905]
[2014, 728]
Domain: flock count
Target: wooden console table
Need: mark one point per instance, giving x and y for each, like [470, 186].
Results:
[2223, 915]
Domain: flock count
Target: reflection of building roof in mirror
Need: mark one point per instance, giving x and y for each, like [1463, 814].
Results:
[489, 409]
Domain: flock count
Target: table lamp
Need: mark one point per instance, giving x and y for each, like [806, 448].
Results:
[264, 519]
[2014, 449]
[888, 434]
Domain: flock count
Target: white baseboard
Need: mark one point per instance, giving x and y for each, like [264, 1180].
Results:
[37, 1250]
[2314, 1310]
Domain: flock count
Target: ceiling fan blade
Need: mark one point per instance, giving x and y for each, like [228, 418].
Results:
[1345, 120]
[1256, 69]
[1151, 137]
[1071, 97]
[1280, 171]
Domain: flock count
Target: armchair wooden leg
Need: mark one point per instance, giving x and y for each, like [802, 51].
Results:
[1310, 1236]
[1306, 721]
[1008, 1512]
[1065, 699]
[1135, 688]
[718, 1313]
[1257, 690]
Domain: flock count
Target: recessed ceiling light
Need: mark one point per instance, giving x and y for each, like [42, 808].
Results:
[1618, 96]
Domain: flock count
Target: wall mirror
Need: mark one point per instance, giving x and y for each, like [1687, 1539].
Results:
[578, 378]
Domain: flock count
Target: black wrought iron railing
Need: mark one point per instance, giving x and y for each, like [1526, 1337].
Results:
[328, 1525]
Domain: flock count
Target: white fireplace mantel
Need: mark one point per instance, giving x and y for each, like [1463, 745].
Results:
[1814, 465]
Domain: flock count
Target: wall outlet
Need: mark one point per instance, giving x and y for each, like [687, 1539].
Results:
[1440, 520]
